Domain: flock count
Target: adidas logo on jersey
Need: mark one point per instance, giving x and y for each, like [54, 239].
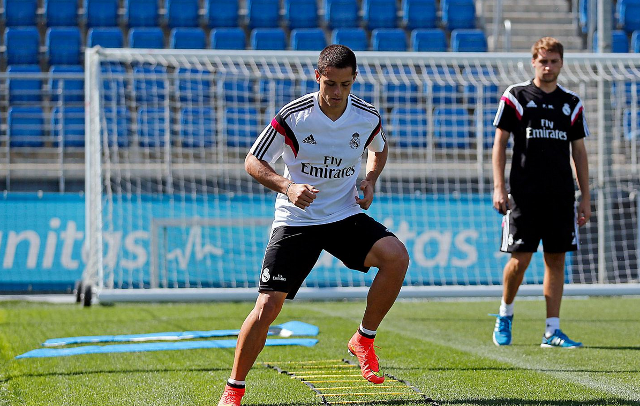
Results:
[532, 104]
[309, 140]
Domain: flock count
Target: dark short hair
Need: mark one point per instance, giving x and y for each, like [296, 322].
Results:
[549, 44]
[336, 56]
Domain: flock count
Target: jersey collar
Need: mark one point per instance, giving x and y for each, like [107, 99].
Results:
[341, 119]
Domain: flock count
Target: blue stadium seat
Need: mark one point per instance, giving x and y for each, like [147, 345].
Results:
[458, 14]
[379, 13]
[301, 13]
[107, 37]
[150, 84]
[187, 38]
[440, 84]
[419, 14]
[19, 13]
[182, 13]
[197, 127]
[63, 45]
[22, 45]
[193, 85]
[101, 13]
[118, 126]
[489, 131]
[61, 13]
[146, 37]
[25, 127]
[308, 39]
[152, 127]
[221, 13]
[277, 85]
[66, 83]
[354, 38]
[228, 38]
[583, 16]
[619, 43]
[409, 127]
[236, 90]
[24, 83]
[625, 93]
[241, 126]
[398, 87]
[468, 40]
[141, 13]
[452, 127]
[268, 38]
[364, 86]
[263, 13]
[635, 42]
[67, 125]
[428, 40]
[480, 76]
[629, 15]
[114, 84]
[631, 133]
[388, 39]
[341, 13]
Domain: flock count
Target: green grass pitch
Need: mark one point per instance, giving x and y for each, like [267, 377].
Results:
[444, 348]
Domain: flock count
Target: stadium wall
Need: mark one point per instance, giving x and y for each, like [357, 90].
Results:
[42, 240]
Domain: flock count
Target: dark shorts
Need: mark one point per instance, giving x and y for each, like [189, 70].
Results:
[529, 221]
[293, 250]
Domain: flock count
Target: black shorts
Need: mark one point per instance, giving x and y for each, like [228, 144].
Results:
[531, 220]
[293, 250]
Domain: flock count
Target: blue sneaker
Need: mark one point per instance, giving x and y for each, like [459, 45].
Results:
[502, 330]
[560, 340]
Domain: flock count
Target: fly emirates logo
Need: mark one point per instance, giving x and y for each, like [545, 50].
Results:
[546, 131]
[330, 170]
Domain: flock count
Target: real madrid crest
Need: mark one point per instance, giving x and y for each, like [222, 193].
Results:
[566, 109]
[355, 141]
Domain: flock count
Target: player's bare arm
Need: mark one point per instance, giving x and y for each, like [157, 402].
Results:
[375, 164]
[499, 160]
[579, 154]
[301, 195]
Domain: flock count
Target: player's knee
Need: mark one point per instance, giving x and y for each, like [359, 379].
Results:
[267, 308]
[393, 254]
[518, 265]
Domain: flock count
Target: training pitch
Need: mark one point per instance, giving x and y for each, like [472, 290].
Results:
[441, 348]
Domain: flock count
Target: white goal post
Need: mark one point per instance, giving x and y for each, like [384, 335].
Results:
[172, 215]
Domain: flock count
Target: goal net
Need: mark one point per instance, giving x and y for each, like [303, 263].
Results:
[171, 213]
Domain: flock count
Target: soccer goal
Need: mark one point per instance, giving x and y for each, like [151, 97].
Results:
[172, 215]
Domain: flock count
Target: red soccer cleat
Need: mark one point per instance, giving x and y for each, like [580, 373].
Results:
[362, 347]
[231, 396]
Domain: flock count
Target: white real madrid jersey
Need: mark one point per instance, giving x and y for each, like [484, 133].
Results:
[320, 152]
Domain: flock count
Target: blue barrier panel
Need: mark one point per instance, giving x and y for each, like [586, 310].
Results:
[450, 239]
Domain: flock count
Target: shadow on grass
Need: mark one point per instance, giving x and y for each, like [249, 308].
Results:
[107, 371]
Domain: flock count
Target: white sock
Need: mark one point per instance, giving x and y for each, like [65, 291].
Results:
[553, 324]
[366, 331]
[505, 309]
[234, 382]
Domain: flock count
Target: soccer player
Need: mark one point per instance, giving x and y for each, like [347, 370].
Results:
[321, 138]
[548, 126]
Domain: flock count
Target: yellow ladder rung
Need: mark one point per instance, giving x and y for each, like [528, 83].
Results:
[367, 394]
[303, 362]
[360, 387]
